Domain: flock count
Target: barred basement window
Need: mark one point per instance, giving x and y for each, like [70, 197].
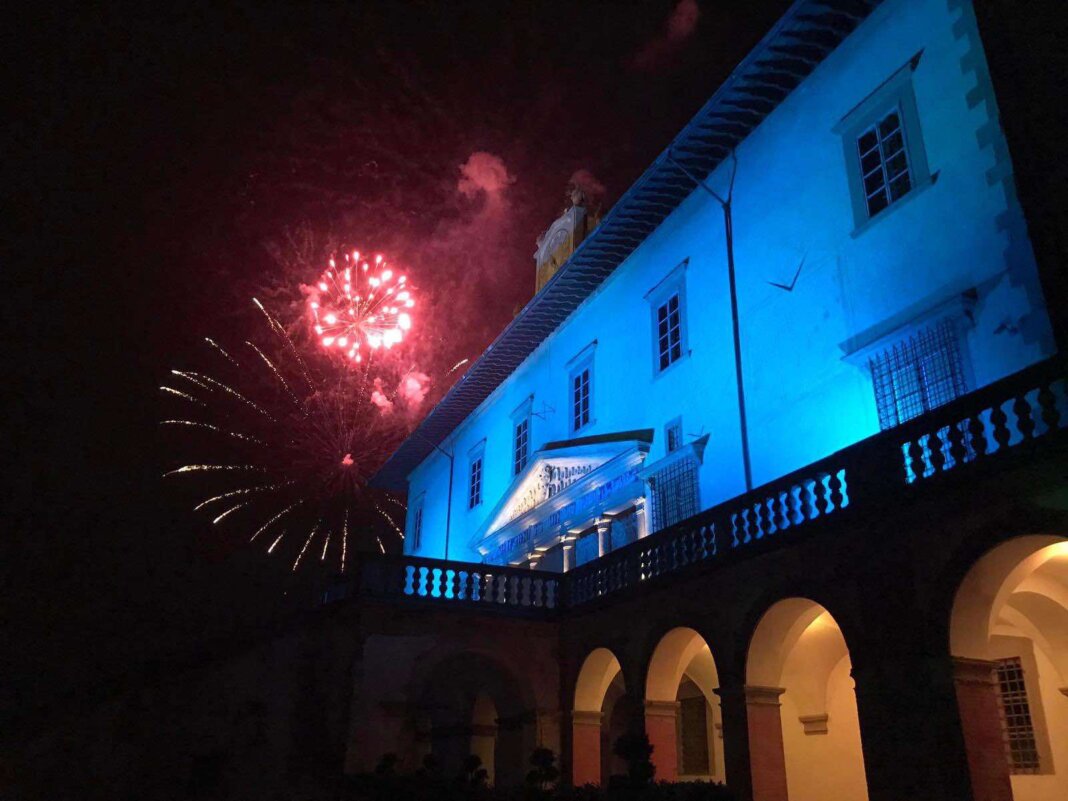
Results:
[521, 446]
[674, 493]
[918, 374]
[1016, 721]
[474, 493]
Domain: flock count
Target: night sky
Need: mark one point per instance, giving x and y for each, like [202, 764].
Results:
[164, 159]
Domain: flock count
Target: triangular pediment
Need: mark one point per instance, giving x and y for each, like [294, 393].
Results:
[555, 468]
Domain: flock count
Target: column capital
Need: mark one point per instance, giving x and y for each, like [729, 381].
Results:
[661, 709]
[763, 696]
[583, 717]
[973, 671]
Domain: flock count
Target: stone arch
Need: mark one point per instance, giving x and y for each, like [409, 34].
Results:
[1008, 635]
[469, 703]
[682, 715]
[599, 715]
[804, 732]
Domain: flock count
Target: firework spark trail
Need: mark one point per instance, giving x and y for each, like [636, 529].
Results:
[210, 427]
[197, 377]
[307, 542]
[460, 363]
[183, 395]
[281, 332]
[297, 464]
[344, 539]
[219, 348]
[204, 468]
[274, 370]
[242, 491]
[267, 525]
[228, 512]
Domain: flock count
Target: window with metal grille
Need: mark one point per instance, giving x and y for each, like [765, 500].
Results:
[474, 492]
[521, 445]
[673, 431]
[1021, 747]
[669, 332]
[884, 163]
[580, 398]
[674, 493]
[918, 374]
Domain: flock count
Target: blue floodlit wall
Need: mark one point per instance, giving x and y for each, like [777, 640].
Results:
[964, 231]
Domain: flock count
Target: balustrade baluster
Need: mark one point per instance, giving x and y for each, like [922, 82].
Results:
[1000, 420]
[958, 451]
[914, 462]
[1021, 407]
[936, 450]
[758, 520]
[804, 502]
[1047, 403]
[838, 498]
[819, 489]
[977, 435]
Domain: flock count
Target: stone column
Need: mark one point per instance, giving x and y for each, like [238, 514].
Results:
[767, 759]
[660, 728]
[569, 555]
[604, 537]
[910, 728]
[585, 748]
[980, 720]
[641, 513]
[734, 715]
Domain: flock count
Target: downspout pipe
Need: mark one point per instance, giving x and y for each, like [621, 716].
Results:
[728, 229]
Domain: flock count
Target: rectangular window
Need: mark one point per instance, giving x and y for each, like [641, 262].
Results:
[474, 491]
[673, 432]
[669, 332]
[674, 493]
[884, 163]
[1020, 743]
[417, 526]
[918, 374]
[580, 398]
[521, 446]
[883, 146]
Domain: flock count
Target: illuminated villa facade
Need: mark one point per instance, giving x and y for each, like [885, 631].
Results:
[771, 468]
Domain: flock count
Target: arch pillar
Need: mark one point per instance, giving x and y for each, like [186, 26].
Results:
[980, 720]
[660, 728]
[585, 747]
[910, 729]
[766, 753]
[735, 716]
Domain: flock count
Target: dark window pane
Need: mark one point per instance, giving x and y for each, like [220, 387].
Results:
[890, 123]
[867, 141]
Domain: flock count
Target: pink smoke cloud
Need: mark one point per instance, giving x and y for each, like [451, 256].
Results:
[379, 399]
[413, 388]
[484, 173]
[679, 27]
[588, 183]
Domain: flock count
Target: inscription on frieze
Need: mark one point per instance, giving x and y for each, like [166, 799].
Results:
[548, 481]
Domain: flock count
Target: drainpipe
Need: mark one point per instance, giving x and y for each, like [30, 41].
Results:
[448, 503]
[728, 229]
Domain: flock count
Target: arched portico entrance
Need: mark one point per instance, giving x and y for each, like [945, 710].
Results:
[682, 717]
[803, 728]
[1009, 640]
[600, 715]
[470, 704]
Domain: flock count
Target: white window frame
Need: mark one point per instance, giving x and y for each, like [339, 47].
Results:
[476, 456]
[674, 283]
[582, 361]
[520, 416]
[416, 531]
[894, 94]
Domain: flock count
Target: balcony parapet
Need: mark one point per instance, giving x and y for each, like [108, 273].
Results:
[1008, 416]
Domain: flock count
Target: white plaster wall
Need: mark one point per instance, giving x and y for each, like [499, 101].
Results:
[792, 201]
